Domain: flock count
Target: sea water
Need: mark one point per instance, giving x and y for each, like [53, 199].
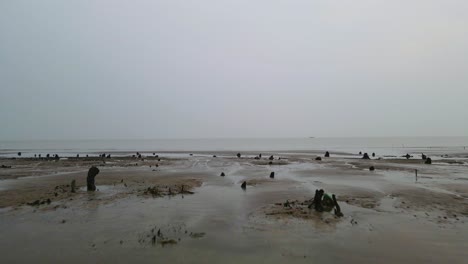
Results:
[379, 145]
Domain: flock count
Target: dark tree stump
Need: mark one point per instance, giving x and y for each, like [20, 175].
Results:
[244, 185]
[318, 200]
[337, 207]
[93, 171]
[73, 186]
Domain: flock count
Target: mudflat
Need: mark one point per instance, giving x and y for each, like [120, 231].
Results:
[179, 209]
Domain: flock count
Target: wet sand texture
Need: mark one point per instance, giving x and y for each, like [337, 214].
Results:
[180, 210]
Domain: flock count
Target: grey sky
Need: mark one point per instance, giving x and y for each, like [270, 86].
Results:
[239, 68]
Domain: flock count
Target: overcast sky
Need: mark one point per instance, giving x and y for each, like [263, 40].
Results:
[241, 68]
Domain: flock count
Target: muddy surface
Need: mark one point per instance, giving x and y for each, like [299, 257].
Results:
[180, 210]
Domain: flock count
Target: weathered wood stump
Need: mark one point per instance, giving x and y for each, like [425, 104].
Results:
[93, 171]
[244, 185]
[73, 186]
[318, 200]
[337, 207]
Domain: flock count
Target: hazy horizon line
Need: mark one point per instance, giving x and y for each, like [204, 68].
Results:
[225, 138]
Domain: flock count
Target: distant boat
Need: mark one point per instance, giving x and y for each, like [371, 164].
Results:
[311, 137]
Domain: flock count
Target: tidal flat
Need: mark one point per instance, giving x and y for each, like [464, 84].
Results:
[177, 208]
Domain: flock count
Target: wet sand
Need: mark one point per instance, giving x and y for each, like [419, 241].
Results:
[388, 216]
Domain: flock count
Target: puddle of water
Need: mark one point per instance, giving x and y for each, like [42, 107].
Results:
[99, 188]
